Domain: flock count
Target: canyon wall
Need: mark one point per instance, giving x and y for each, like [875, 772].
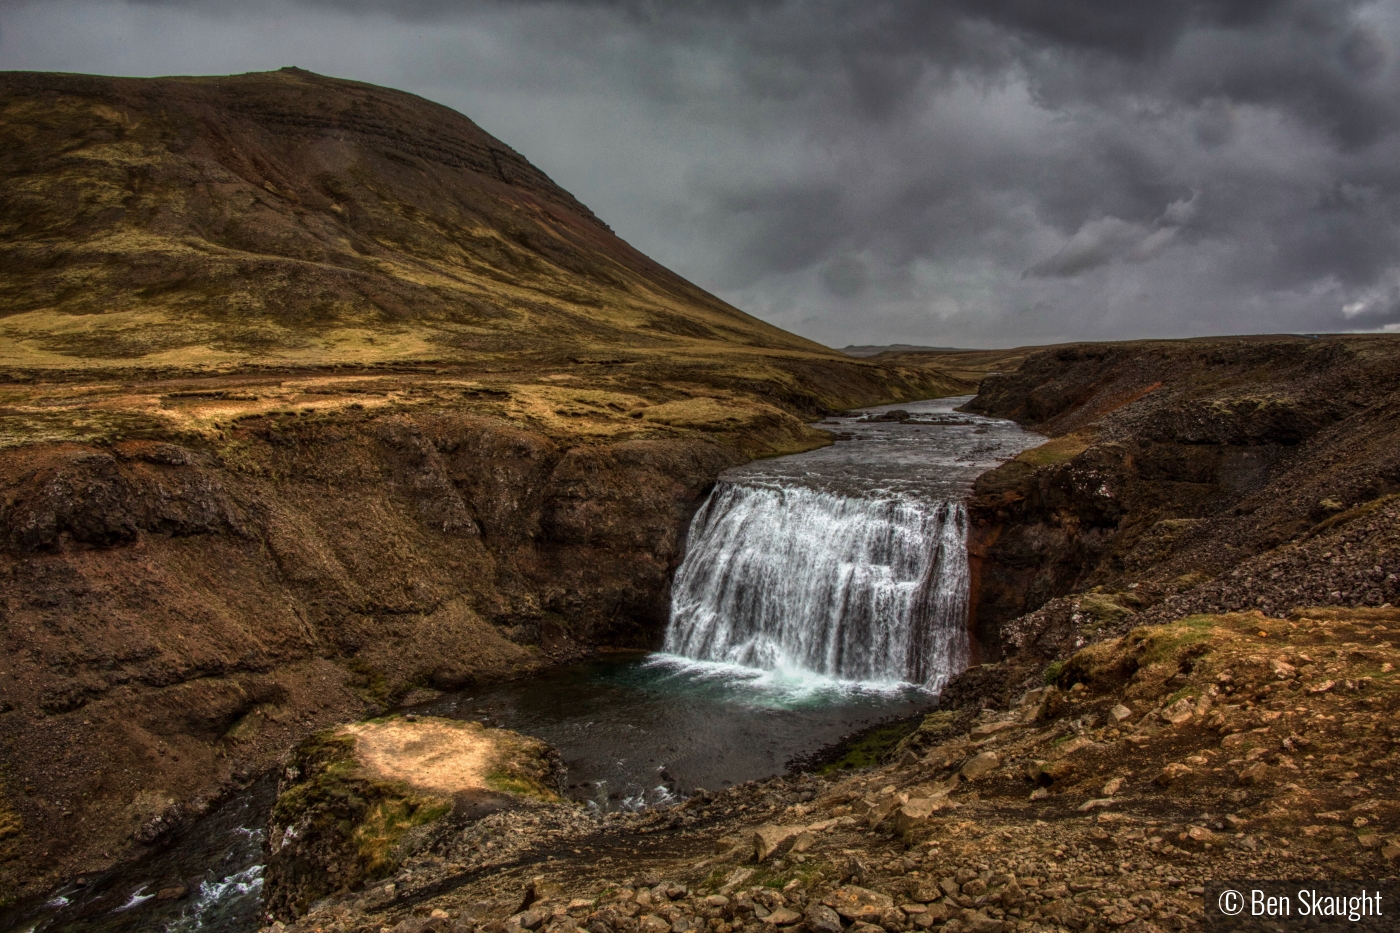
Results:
[1172, 464]
[178, 612]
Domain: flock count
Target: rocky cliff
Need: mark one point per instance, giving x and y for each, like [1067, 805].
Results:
[1173, 464]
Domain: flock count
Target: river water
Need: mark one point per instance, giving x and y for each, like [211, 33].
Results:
[821, 593]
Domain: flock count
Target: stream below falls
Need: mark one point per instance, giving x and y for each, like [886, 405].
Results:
[821, 593]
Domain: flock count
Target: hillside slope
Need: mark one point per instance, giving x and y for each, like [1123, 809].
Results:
[289, 217]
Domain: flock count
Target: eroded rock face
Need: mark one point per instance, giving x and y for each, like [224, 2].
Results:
[1170, 464]
[177, 616]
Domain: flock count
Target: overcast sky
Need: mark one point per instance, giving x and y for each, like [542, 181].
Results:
[964, 173]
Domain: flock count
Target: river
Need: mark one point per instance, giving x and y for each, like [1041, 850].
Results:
[821, 593]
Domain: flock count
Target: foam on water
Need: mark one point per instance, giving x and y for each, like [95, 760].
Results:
[137, 898]
[215, 896]
[781, 687]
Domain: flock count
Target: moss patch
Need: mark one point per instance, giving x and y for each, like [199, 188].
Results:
[870, 747]
[1352, 514]
[357, 800]
[384, 825]
[1056, 451]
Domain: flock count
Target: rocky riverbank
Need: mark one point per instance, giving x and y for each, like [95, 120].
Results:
[1218, 746]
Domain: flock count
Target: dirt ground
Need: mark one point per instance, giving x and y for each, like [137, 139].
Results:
[434, 755]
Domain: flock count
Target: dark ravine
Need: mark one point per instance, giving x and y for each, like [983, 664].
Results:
[1174, 740]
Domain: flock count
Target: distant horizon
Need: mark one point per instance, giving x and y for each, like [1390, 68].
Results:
[919, 348]
[897, 172]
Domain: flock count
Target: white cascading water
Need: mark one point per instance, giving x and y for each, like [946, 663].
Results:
[794, 578]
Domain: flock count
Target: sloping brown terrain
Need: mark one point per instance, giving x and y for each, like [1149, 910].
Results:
[1183, 476]
[313, 394]
[289, 217]
[1215, 748]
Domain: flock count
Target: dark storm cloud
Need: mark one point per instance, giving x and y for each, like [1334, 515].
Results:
[975, 171]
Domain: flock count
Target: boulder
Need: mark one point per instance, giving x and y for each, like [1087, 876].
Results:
[1180, 711]
[782, 917]
[992, 728]
[975, 921]
[822, 919]
[1172, 773]
[916, 812]
[944, 756]
[1065, 749]
[874, 809]
[923, 890]
[771, 840]
[980, 765]
[651, 923]
[893, 918]
[856, 903]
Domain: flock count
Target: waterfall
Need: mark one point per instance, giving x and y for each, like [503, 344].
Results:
[791, 577]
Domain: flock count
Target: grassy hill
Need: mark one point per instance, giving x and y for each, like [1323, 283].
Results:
[289, 217]
[263, 225]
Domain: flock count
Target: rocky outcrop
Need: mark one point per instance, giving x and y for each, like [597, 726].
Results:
[354, 802]
[1171, 464]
